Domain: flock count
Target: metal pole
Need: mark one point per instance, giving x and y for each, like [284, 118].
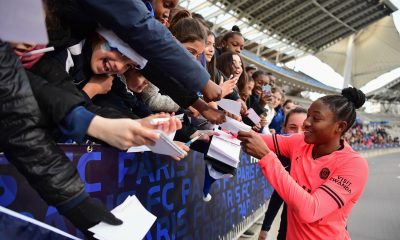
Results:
[347, 74]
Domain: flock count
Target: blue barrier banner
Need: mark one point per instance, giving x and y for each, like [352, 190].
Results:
[171, 190]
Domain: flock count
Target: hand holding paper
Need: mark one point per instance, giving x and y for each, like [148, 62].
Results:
[164, 145]
[230, 106]
[136, 222]
[253, 116]
[161, 121]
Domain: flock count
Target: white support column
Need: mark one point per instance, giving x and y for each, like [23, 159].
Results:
[347, 74]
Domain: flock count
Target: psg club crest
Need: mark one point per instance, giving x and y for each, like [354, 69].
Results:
[324, 174]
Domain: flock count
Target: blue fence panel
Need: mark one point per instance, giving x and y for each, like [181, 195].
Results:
[171, 190]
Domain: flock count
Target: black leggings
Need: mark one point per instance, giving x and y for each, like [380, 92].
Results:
[275, 203]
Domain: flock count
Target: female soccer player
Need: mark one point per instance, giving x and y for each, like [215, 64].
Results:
[327, 176]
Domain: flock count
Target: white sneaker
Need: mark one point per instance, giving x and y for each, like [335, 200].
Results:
[207, 198]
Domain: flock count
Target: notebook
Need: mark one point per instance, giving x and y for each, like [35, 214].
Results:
[166, 146]
[225, 148]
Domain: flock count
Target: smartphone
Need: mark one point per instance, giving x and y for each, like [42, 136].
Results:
[266, 90]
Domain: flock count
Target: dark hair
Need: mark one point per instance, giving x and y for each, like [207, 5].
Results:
[235, 28]
[296, 110]
[202, 20]
[258, 73]
[224, 64]
[280, 91]
[251, 67]
[287, 102]
[187, 29]
[344, 106]
[230, 35]
[235, 32]
[212, 65]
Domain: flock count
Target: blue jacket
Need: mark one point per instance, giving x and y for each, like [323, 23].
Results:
[277, 121]
[132, 22]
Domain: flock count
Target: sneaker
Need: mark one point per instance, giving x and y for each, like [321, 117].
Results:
[248, 234]
[207, 198]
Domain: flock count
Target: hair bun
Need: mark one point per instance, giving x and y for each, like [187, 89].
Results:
[235, 28]
[357, 97]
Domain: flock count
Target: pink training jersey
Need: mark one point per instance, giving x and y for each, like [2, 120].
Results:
[319, 193]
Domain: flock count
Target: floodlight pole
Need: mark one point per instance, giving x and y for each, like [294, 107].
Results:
[347, 74]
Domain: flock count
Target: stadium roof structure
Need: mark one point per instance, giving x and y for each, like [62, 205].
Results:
[280, 31]
[389, 92]
[375, 50]
[283, 30]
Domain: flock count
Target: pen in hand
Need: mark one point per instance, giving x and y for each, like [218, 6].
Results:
[194, 139]
[38, 51]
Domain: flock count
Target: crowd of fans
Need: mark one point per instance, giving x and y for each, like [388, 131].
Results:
[370, 136]
[104, 78]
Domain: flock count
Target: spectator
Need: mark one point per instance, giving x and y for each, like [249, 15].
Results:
[232, 41]
[27, 144]
[246, 90]
[288, 105]
[272, 79]
[74, 13]
[276, 104]
[250, 69]
[258, 100]
[230, 64]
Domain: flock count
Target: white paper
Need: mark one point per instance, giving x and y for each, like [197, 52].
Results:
[227, 137]
[253, 116]
[164, 145]
[230, 106]
[224, 152]
[234, 125]
[135, 149]
[36, 222]
[137, 222]
[23, 21]
[123, 47]
[160, 145]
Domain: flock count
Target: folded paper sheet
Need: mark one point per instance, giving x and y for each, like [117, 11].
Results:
[253, 116]
[164, 145]
[23, 21]
[230, 106]
[235, 126]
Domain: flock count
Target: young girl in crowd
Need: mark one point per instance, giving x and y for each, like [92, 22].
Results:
[275, 114]
[293, 124]
[327, 176]
[232, 41]
[246, 90]
[231, 64]
[72, 116]
[217, 76]
[193, 36]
